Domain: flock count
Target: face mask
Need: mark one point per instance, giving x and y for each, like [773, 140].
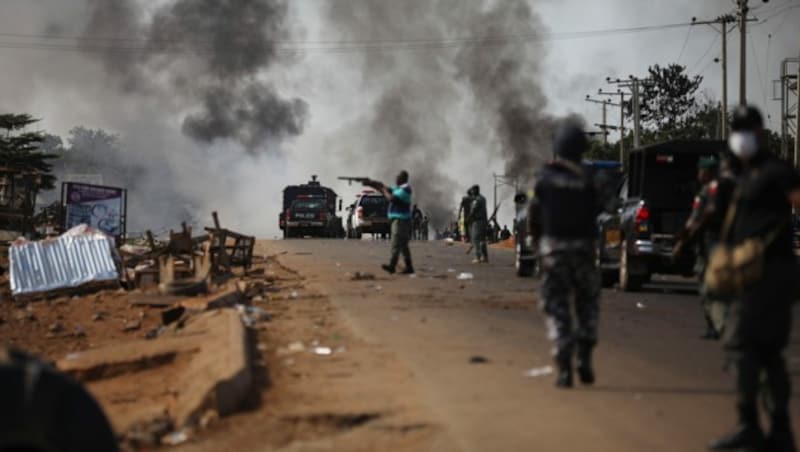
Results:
[743, 144]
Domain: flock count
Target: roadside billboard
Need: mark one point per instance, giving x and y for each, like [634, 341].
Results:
[103, 208]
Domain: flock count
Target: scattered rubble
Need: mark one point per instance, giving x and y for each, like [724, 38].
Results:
[362, 276]
[537, 372]
[477, 359]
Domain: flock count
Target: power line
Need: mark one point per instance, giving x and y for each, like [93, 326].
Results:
[113, 44]
[700, 60]
[685, 41]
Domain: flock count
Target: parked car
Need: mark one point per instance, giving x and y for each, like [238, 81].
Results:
[369, 214]
[656, 200]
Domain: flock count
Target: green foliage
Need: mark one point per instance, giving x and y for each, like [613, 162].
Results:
[21, 151]
[669, 96]
[600, 151]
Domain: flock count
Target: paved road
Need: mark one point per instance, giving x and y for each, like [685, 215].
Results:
[660, 387]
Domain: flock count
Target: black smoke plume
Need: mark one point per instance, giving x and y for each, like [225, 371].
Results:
[419, 90]
[209, 57]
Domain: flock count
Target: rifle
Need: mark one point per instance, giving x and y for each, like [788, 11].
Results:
[363, 181]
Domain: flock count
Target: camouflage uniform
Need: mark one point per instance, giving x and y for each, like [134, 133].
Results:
[714, 310]
[569, 267]
[563, 219]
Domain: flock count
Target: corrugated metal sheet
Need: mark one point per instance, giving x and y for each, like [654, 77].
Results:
[77, 257]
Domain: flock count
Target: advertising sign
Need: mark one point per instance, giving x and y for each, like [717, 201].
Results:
[103, 208]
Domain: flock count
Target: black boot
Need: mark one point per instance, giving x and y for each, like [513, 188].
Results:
[747, 435]
[781, 438]
[711, 333]
[564, 362]
[585, 370]
[388, 269]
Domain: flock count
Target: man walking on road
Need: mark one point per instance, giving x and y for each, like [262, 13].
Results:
[399, 197]
[759, 321]
[562, 218]
[478, 224]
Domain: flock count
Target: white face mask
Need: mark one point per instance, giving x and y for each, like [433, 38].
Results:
[743, 144]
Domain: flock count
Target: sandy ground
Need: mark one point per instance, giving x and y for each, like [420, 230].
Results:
[434, 362]
[660, 388]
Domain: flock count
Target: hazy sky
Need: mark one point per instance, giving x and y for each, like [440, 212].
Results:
[69, 88]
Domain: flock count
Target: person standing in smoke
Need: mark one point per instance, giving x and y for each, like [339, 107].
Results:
[478, 224]
[562, 219]
[416, 216]
[760, 317]
[399, 197]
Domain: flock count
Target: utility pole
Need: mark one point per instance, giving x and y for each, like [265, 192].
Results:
[789, 93]
[637, 114]
[621, 127]
[634, 85]
[743, 10]
[797, 118]
[723, 21]
[604, 125]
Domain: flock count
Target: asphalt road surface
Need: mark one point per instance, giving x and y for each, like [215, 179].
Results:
[660, 387]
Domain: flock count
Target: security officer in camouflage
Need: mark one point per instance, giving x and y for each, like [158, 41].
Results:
[562, 218]
[702, 230]
[478, 222]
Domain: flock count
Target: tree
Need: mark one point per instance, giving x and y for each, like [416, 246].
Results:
[668, 97]
[20, 150]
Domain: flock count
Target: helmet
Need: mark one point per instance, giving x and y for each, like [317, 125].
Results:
[746, 118]
[570, 141]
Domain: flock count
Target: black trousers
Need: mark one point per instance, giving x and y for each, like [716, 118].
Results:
[756, 333]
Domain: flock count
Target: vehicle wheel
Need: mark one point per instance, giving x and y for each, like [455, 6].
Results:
[607, 278]
[525, 268]
[627, 281]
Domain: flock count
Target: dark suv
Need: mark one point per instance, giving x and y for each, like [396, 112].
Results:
[656, 200]
[309, 215]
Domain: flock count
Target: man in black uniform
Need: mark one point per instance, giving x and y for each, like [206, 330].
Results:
[759, 322]
[562, 218]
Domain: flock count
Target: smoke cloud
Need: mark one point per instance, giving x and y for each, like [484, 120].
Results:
[207, 55]
[422, 92]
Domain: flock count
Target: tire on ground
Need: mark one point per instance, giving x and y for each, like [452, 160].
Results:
[628, 282]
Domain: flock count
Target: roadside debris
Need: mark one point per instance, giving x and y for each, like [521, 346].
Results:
[477, 359]
[80, 256]
[323, 351]
[252, 315]
[132, 325]
[362, 276]
[465, 276]
[538, 372]
[640, 305]
[175, 438]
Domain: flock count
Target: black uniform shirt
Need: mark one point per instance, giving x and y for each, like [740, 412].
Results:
[567, 202]
[763, 204]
